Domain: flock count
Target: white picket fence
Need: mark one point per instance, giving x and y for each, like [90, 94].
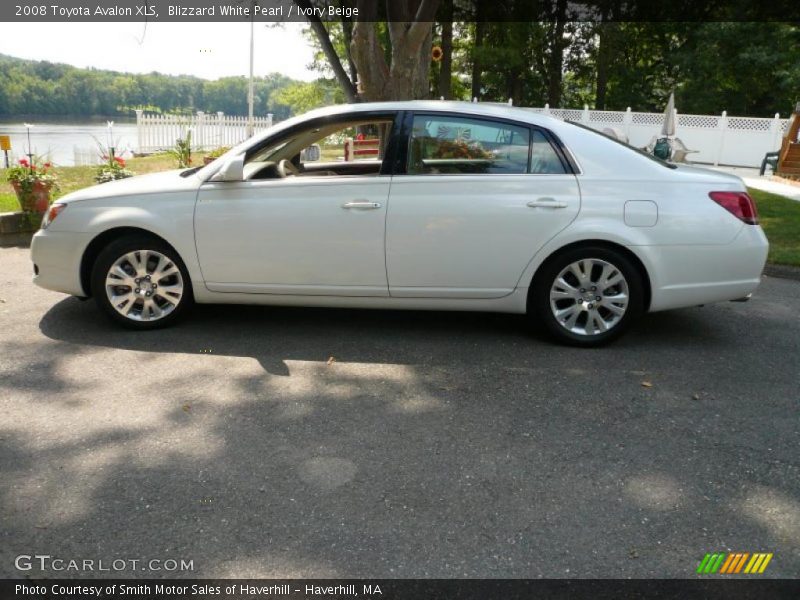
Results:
[209, 130]
[718, 139]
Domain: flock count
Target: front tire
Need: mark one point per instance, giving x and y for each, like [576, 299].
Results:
[141, 283]
[587, 296]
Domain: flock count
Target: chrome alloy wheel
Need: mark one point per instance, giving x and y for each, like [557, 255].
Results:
[589, 297]
[144, 285]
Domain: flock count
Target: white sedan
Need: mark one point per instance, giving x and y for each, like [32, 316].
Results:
[414, 205]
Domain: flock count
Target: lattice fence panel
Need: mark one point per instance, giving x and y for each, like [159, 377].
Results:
[749, 124]
[699, 121]
[647, 118]
[606, 116]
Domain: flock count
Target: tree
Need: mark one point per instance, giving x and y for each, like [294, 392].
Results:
[445, 82]
[393, 66]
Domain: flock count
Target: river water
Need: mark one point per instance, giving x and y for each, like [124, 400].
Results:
[68, 143]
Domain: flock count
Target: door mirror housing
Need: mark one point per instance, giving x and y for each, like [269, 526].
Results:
[232, 170]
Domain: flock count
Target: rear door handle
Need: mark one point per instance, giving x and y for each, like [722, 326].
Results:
[360, 205]
[547, 203]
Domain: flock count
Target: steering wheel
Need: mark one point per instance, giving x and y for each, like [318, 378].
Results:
[287, 168]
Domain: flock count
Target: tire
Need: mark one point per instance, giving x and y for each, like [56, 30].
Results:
[154, 288]
[569, 285]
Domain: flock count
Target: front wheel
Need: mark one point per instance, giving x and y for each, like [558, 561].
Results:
[141, 283]
[588, 296]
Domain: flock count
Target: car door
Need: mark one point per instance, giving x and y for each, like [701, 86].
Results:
[317, 235]
[479, 198]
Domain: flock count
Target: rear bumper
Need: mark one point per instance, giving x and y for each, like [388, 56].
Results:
[56, 256]
[690, 275]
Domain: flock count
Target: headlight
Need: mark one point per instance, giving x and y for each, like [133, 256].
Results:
[51, 214]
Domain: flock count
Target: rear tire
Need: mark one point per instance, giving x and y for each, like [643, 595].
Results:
[587, 296]
[141, 283]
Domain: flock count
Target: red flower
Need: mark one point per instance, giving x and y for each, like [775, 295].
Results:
[24, 162]
[47, 165]
[120, 161]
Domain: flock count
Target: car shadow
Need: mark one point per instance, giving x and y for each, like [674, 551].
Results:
[273, 335]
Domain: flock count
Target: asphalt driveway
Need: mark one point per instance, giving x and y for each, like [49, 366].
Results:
[295, 442]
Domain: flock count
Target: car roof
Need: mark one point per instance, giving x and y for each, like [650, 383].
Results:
[489, 109]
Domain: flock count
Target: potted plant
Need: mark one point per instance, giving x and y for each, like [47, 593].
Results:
[215, 154]
[33, 182]
[114, 168]
[182, 151]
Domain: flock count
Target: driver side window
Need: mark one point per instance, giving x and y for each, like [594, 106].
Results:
[351, 147]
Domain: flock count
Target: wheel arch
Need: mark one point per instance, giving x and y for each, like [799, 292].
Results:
[103, 239]
[627, 252]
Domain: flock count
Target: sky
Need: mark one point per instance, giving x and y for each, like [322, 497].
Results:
[208, 50]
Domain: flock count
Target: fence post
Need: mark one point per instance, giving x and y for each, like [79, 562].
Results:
[269, 120]
[220, 129]
[201, 130]
[627, 120]
[546, 108]
[723, 126]
[139, 130]
[511, 102]
[585, 114]
[775, 129]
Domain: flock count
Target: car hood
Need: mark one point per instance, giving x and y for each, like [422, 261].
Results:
[152, 183]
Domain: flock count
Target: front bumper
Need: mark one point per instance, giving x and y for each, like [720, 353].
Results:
[56, 256]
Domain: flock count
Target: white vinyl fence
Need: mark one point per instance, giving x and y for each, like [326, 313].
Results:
[159, 132]
[718, 139]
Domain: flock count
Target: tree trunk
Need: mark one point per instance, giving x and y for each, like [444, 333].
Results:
[347, 30]
[604, 47]
[480, 29]
[556, 63]
[446, 70]
[410, 29]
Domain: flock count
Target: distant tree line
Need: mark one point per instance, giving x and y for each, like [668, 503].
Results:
[43, 88]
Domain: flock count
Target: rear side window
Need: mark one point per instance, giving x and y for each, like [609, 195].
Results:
[442, 144]
[544, 160]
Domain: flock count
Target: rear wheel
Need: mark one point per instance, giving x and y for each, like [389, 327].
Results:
[141, 283]
[588, 296]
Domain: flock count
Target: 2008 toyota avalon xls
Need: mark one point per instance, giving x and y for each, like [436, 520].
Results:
[415, 205]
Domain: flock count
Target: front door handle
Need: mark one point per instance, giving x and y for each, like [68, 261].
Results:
[547, 203]
[362, 205]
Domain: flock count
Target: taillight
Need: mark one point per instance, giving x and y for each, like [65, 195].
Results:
[739, 204]
[52, 213]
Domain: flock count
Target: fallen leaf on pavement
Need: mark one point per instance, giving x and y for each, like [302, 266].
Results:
[186, 408]
[331, 360]
[647, 384]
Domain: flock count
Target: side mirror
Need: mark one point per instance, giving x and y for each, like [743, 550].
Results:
[232, 170]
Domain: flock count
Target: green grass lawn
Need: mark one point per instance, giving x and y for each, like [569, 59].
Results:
[780, 217]
[75, 178]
